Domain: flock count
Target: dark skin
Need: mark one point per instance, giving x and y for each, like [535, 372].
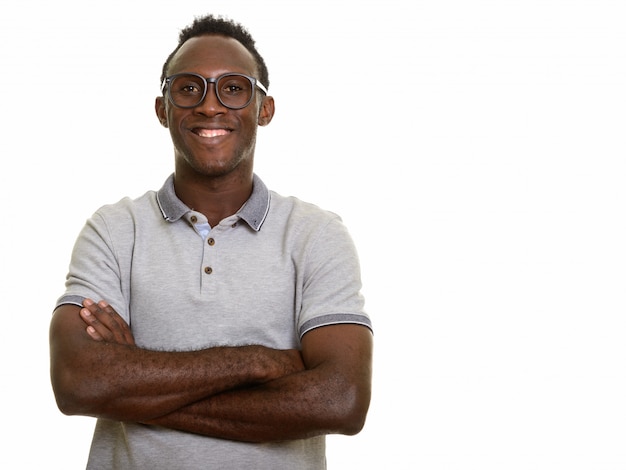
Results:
[250, 393]
[213, 175]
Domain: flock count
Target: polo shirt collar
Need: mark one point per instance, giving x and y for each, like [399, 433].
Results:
[253, 212]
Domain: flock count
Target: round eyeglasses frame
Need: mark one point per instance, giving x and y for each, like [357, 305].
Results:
[206, 80]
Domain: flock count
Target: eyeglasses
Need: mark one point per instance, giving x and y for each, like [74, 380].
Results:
[233, 90]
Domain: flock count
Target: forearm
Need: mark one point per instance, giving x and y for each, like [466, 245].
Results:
[138, 384]
[298, 406]
[127, 383]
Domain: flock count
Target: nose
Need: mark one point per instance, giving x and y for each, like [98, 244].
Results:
[210, 105]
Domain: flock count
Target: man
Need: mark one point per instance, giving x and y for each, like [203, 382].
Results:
[214, 323]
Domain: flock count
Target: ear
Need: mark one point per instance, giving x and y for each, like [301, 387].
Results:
[159, 107]
[266, 113]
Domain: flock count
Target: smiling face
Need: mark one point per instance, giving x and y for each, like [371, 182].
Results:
[212, 140]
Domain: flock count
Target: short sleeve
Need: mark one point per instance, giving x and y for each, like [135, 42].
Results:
[94, 270]
[331, 292]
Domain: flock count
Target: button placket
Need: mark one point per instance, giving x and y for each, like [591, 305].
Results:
[208, 269]
[211, 242]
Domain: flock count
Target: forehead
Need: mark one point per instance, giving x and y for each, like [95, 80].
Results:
[211, 55]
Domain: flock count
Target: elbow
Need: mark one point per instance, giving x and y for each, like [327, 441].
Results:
[73, 396]
[67, 404]
[64, 392]
[352, 411]
[355, 419]
[354, 425]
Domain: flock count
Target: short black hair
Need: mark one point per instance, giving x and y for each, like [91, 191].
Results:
[209, 24]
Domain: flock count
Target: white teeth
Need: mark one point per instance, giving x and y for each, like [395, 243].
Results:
[211, 132]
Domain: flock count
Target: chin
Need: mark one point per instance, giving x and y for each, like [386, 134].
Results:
[212, 166]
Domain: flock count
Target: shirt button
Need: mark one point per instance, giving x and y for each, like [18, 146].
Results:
[208, 270]
[211, 241]
[194, 219]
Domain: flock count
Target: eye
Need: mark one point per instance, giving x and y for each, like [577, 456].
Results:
[189, 89]
[232, 88]
[234, 85]
[187, 85]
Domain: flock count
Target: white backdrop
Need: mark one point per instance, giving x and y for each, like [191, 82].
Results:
[475, 149]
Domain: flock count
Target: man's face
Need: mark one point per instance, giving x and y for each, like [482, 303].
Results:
[211, 139]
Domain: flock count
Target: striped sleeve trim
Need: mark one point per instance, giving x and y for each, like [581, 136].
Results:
[335, 319]
[71, 299]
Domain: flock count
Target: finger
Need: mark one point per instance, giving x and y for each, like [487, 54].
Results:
[116, 324]
[108, 325]
[102, 320]
[91, 331]
[96, 329]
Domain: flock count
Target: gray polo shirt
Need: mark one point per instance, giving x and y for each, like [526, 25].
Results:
[266, 275]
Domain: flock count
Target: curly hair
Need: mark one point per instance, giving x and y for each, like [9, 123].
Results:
[209, 24]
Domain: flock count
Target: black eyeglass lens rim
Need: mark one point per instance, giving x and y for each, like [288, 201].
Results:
[203, 82]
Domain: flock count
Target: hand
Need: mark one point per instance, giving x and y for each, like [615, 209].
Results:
[105, 324]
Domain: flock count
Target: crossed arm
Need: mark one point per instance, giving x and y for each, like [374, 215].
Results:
[249, 393]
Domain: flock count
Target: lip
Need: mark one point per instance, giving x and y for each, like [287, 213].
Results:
[210, 133]
[209, 130]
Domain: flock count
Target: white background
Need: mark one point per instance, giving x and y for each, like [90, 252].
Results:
[475, 149]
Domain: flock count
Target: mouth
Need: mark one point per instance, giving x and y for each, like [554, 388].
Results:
[210, 133]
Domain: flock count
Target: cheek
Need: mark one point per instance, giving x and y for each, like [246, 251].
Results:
[174, 119]
[249, 133]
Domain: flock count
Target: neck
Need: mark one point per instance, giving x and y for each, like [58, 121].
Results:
[215, 197]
